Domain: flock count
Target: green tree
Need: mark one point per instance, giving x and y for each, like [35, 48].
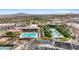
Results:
[10, 34]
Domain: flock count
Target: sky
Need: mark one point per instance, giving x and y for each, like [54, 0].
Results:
[38, 11]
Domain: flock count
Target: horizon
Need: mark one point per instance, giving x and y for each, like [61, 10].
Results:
[38, 11]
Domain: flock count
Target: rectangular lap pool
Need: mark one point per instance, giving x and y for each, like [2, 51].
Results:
[4, 47]
[29, 35]
[56, 34]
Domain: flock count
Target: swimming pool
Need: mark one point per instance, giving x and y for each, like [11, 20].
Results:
[5, 47]
[56, 34]
[29, 35]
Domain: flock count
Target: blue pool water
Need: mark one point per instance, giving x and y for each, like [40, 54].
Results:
[29, 35]
[56, 34]
[5, 48]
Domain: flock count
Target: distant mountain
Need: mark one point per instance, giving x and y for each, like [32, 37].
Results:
[24, 14]
[20, 14]
[13, 15]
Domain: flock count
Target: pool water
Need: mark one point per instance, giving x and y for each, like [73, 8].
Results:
[5, 47]
[29, 35]
[56, 34]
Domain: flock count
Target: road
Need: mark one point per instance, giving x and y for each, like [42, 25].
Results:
[30, 43]
[25, 46]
